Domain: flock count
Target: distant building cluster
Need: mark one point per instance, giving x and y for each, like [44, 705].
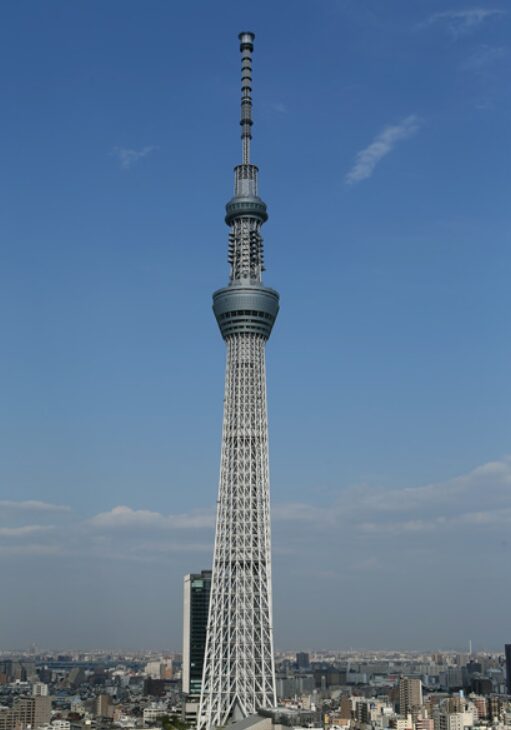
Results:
[89, 692]
[337, 691]
[402, 691]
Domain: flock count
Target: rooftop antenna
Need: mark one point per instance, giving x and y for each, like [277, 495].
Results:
[246, 48]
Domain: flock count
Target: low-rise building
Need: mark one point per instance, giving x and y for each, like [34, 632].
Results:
[153, 712]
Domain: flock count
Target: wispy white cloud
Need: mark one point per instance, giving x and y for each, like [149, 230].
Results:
[462, 22]
[380, 147]
[484, 57]
[369, 516]
[279, 107]
[479, 499]
[360, 541]
[30, 550]
[297, 512]
[24, 530]
[126, 517]
[31, 505]
[128, 157]
[370, 519]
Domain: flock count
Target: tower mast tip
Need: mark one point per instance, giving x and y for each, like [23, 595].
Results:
[246, 38]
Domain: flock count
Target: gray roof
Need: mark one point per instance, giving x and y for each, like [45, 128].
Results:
[251, 721]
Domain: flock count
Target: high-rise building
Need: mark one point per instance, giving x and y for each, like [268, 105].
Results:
[104, 706]
[13, 670]
[508, 668]
[302, 660]
[197, 588]
[239, 669]
[410, 694]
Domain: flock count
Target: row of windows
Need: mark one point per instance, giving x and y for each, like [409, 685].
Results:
[250, 327]
[246, 313]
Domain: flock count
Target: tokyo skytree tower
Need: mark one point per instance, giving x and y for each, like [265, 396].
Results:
[239, 670]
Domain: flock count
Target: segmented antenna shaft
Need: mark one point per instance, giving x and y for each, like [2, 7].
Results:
[246, 48]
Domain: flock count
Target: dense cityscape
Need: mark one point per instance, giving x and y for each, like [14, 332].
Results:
[348, 690]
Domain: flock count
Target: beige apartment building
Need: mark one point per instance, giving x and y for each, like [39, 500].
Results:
[410, 695]
[26, 712]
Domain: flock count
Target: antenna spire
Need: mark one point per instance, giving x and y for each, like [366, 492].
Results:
[246, 48]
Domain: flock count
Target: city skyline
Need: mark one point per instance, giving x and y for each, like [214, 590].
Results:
[357, 691]
[382, 145]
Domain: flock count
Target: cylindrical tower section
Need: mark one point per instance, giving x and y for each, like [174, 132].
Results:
[242, 310]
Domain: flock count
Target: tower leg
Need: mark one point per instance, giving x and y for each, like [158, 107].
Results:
[239, 671]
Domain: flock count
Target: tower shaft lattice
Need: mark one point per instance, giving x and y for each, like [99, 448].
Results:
[239, 670]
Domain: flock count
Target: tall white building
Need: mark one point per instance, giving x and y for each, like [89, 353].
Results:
[39, 689]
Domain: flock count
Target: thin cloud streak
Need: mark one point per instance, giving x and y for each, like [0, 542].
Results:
[433, 506]
[279, 107]
[31, 550]
[356, 515]
[128, 157]
[484, 57]
[24, 530]
[380, 147]
[31, 505]
[125, 517]
[462, 22]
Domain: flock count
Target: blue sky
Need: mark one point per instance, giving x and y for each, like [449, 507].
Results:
[382, 136]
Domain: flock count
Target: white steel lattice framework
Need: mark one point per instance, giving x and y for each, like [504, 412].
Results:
[239, 672]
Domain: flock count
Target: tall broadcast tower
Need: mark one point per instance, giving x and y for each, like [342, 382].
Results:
[239, 670]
